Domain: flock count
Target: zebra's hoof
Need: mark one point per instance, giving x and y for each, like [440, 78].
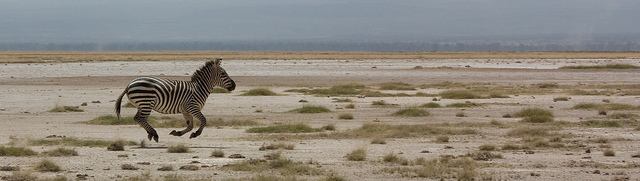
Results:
[176, 133]
[193, 135]
[153, 137]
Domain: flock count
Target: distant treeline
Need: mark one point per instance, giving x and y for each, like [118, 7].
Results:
[329, 46]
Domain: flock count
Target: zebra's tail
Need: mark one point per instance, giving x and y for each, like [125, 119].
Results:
[119, 101]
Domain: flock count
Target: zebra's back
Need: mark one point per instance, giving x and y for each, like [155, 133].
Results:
[159, 94]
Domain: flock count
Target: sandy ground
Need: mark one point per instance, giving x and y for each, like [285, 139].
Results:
[28, 91]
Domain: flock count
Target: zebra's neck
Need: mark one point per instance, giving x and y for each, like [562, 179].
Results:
[204, 84]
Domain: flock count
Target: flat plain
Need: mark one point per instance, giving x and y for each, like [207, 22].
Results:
[390, 116]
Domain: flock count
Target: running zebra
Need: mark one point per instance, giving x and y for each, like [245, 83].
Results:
[174, 96]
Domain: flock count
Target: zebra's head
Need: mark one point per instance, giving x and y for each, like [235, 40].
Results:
[221, 78]
[215, 75]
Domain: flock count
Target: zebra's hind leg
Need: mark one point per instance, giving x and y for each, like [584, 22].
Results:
[141, 118]
[203, 123]
[189, 119]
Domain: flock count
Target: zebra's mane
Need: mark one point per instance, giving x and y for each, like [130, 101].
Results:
[200, 72]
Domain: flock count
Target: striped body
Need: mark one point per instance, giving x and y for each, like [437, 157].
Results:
[165, 96]
[174, 97]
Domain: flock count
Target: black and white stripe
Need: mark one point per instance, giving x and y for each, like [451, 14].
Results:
[173, 96]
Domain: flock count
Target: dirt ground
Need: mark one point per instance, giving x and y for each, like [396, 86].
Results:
[29, 90]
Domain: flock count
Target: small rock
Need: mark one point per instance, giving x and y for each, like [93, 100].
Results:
[193, 162]
[83, 104]
[236, 156]
[302, 100]
[596, 172]
[425, 151]
[144, 163]
[95, 101]
[190, 167]
[529, 152]
[448, 147]
[588, 150]
[123, 156]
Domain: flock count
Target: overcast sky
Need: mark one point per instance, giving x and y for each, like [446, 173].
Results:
[103, 21]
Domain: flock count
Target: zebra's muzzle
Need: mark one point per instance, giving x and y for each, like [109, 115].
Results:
[230, 86]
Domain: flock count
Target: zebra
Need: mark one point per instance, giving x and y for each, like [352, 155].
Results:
[174, 96]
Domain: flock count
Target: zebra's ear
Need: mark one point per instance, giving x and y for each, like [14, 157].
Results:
[217, 62]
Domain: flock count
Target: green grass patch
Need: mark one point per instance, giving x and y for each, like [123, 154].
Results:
[60, 152]
[66, 141]
[459, 94]
[311, 109]
[608, 66]
[259, 92]
[411, 112]
[431, 105]
[16, 151]
[601, 124]
[612, 106]
[465, 104]
[535, 115]
[66, 109]
[370, 130]
[284, 128]
[396, 86]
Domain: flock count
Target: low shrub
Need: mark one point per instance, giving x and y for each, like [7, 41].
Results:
[47, 166]
[178, 149]
[535, 115]
[442, 139]
[345, 116]
[16, 151]
[311, 109]
[359, 154]
[259, 92]
[412, 112]
[218, 153]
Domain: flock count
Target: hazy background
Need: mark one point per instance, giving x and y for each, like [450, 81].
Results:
[612, 25]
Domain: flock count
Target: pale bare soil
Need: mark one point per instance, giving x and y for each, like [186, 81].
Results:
[29, 91]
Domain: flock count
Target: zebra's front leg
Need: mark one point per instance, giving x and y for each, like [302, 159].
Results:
[141, 118]
[189, 119]
[203, 123]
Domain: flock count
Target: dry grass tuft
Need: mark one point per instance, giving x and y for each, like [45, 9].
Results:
[275, 146]
[47, 166]
[180, 148]
[359, 154]
[61, 152]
